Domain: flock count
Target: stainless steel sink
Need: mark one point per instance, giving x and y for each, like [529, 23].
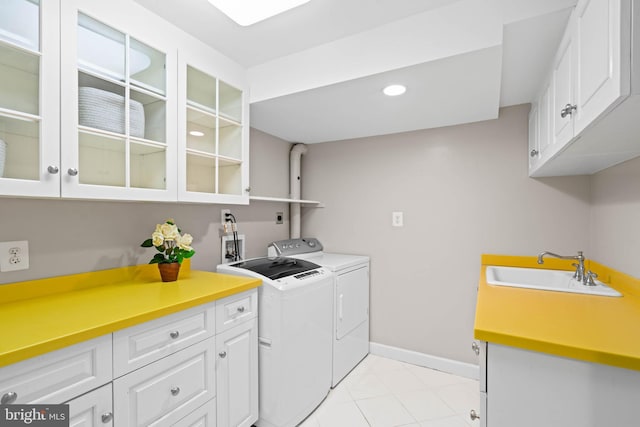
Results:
[546, 280]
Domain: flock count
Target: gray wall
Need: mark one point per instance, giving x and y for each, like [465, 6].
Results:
[464, 191]
[69, 236]
[615, 217]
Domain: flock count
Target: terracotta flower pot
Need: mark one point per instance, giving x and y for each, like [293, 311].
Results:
[169, 271]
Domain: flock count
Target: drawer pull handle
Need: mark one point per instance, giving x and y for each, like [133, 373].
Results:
[106, 417]
[8, 398]
[474, 415]
[475, 348]
[174, 334]
[175, 391]
[222, 354]
[241, 309]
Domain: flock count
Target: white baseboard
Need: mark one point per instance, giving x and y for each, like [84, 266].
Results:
[450, 366]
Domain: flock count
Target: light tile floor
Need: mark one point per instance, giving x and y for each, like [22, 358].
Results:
[382, 392]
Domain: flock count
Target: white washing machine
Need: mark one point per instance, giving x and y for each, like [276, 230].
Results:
[294, 336]
[350, 329]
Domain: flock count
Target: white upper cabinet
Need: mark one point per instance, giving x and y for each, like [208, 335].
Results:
[213, 129]
[594, 108]
[90, 107]
[602, 74]
[119, 105]
[29, 98]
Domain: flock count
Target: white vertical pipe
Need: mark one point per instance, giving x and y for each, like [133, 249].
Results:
[295, 157]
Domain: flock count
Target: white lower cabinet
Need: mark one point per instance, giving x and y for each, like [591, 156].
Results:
[92, 409]
[58, 376]
[237, 375]
[532, 389]
[171, 371]
[165, 391]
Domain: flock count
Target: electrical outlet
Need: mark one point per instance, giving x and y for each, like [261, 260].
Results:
[223, 212]
[279, 217]
[14, 255]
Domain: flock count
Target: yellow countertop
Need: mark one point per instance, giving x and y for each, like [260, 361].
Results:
[585, 327]
[44, 315]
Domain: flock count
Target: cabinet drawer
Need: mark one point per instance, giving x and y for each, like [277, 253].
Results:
[166, 391]
[60, 375]
[92, 409]
[236, 309]
[204, 416]
[142, 344]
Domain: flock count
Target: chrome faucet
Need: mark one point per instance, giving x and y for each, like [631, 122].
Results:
[586, 277]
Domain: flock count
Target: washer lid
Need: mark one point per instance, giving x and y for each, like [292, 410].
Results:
[276, 267]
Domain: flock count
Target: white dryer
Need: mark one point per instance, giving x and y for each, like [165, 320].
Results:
[351, 299]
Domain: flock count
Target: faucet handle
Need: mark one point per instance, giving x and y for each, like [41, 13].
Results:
[588, 278]
[579, 274]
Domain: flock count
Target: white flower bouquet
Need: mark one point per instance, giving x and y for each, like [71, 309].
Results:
[171, 245]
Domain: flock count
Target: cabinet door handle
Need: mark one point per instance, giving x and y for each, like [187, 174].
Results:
[174, 334]
[222, 354]
[175, 391]
[72, 171]
[241, 309]
[8, 398]
[53, 169]
[476, 348]
[106, 417]
[533, 153]
[568, 110]
[474, 415]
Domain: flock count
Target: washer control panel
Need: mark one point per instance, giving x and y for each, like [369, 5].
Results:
[294, 247]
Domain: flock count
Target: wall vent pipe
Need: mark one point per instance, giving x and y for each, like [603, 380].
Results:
[295, 157]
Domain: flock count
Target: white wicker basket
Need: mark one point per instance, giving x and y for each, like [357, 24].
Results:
[104, 110]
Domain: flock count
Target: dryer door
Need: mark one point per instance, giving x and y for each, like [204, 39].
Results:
[352, 300]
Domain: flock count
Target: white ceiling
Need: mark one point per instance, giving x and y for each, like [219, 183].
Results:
[316, 71]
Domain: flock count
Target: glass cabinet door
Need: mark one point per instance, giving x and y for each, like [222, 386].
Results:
[214, 162]
[29, 86]
[121, 148]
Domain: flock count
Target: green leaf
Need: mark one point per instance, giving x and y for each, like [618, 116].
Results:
[147, 243]
[157, 258]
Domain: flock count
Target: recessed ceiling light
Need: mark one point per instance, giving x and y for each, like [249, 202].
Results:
[394, 90]
[196, 133]
[247, 12]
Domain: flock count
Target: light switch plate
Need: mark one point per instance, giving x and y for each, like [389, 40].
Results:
[397, 219]
[14, 255]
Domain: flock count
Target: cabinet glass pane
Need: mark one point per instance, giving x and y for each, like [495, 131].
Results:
[201, 174]
[100, 104]
[102, 160]
[20, 23]
[230, 178]
[21, 149]
[147, 116]
[19, 80]
[230, 102]
[201, 131]
[148, 166]
[146, 67]
[201, 89]
[101, 49]
[230, 144]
